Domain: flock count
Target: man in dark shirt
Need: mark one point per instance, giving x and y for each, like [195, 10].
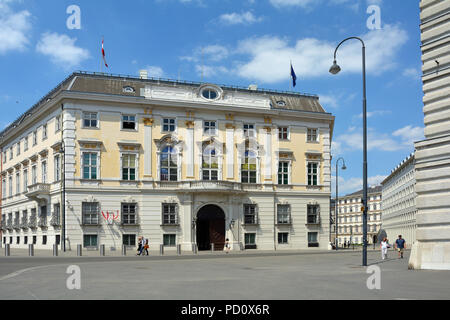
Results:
[401, 246]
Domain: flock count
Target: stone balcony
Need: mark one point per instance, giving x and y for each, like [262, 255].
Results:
[217, 186]
[39, 191]
[32, 222]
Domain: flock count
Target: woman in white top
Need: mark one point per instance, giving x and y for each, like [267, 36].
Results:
[384, 248]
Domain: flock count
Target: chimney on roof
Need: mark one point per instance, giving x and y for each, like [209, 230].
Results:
[143, 74]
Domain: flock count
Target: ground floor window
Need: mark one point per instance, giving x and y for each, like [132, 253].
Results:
[90, 240]
[18, 240]
[11, 240]
[250, 241]
[129, 213]
[4, 239]
[44, 240]
[25, 240]
[58, 240]
[34, 239]
[170, 240]
[283, 238]
[312, 239]
[129, 240]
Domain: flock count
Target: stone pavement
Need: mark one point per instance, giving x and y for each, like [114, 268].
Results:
[237, 276]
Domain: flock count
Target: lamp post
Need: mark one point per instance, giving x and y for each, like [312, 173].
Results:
[337, 199]
[335, 69]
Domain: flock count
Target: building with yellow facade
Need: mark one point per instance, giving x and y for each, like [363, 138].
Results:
[103, 159]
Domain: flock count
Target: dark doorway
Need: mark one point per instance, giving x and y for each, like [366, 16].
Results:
[211, 228]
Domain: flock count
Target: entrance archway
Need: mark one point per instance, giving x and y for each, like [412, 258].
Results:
[211, 228]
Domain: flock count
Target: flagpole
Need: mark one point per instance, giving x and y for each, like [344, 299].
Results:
[290, 77]
[101, 56]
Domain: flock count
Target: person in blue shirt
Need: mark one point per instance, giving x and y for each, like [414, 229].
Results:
[400, 244]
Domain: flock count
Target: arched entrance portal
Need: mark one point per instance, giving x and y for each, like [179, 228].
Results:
[211, 228]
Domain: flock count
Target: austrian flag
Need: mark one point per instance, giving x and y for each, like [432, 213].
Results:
[103, 54]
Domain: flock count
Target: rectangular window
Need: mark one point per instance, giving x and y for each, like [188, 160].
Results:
[58, 240]
[17, 183]
[43, 217]
[283, 172]
[90, 241]
[4, 188]
[129, 122]
[129, 240]
[90, 120]
[56, 215]
[25, 240]
[312, 240]
[90, 212]
[34, 240]
[44, 171]
[313, 214]
[313, 173]
[283, 238]
[283, 133]
[11, 155]
[44, 132]
[18, 148]
[170, 240]
[249, 130]
[250, 240]
[250, 216]
[34, 138]
[44, 240]
[90, 165]
[10, 182]
[210, 128]
[170, 214]
[57, 123]
[313, 135]
[18, 240]
[283, 214]
[25, 144]
[169, 125]
[129, 167]
[5, 155]
[34, 175]
[129, 213]
[57, 164]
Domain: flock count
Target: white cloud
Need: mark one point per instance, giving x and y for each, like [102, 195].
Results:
[270, 56]
[348, 186]
[210, 71]
[155, 72]
[211, 53]
[328, 101]
[239, 18]
[291, 3]
[62, 50]
[374, 113]
[409, 135]
[14, 27]
[412, 73]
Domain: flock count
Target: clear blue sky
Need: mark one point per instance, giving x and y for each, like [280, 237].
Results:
[243, 42]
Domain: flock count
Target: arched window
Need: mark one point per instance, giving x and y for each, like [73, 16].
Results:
[210, 164]
[168, 162]
[248, 168]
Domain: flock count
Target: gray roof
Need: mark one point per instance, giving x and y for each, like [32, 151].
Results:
[370, 190]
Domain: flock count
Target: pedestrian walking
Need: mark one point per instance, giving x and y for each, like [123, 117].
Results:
[139, 249]
[143, 242]
[146, 246]
[384, 248]
[227, 246]
[400, 244]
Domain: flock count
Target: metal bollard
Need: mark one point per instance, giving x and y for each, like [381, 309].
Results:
[55, 250]
[212, 247]
[194, 248]
[31, 250]
[179, 249]
[79, 250]
[161, 250]
[7, 250]
[102, 250]
[124, 250]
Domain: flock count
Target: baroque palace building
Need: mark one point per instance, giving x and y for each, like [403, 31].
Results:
[103, 159]
[399, 202]
[432, 247]
[350, 217]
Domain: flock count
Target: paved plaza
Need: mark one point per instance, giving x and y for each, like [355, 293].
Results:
[217, 276]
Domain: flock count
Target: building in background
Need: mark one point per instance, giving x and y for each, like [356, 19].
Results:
[432, 247]
[350, 216]
[177, 162]
[399, 202]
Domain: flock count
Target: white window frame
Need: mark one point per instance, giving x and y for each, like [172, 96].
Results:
[92, 151]
[44, 132]
[317, 135]
[18, 149]
[135, 122]
[10, 185]
[136, 160]
[175, 205]
[44, 171]
[17, 183]
[4, 188]
[289, 162]
[207, 129]
[179, 161]
[288, 133]
[289, 214]
[25, 144]
[83, 126]
[57, 168]
[35, 139]
[175, 124]
[57, 123]
[34, 174]
[318, 173]
[246, 134]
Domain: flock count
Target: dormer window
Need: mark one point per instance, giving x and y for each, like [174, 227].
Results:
[281, 103]
[209, 94]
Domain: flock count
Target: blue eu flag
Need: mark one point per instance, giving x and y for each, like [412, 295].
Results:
[294, 76]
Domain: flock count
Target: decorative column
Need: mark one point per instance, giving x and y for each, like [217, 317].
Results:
[230, 150]
[190, 150]
[268, 156]
[148, 126]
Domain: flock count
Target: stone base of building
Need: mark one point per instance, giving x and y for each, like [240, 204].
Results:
[430, 256]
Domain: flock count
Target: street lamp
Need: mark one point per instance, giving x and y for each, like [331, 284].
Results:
[335, 69]
[336, 204]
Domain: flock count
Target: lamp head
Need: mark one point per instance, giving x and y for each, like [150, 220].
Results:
[335, 69]
[344, 167]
